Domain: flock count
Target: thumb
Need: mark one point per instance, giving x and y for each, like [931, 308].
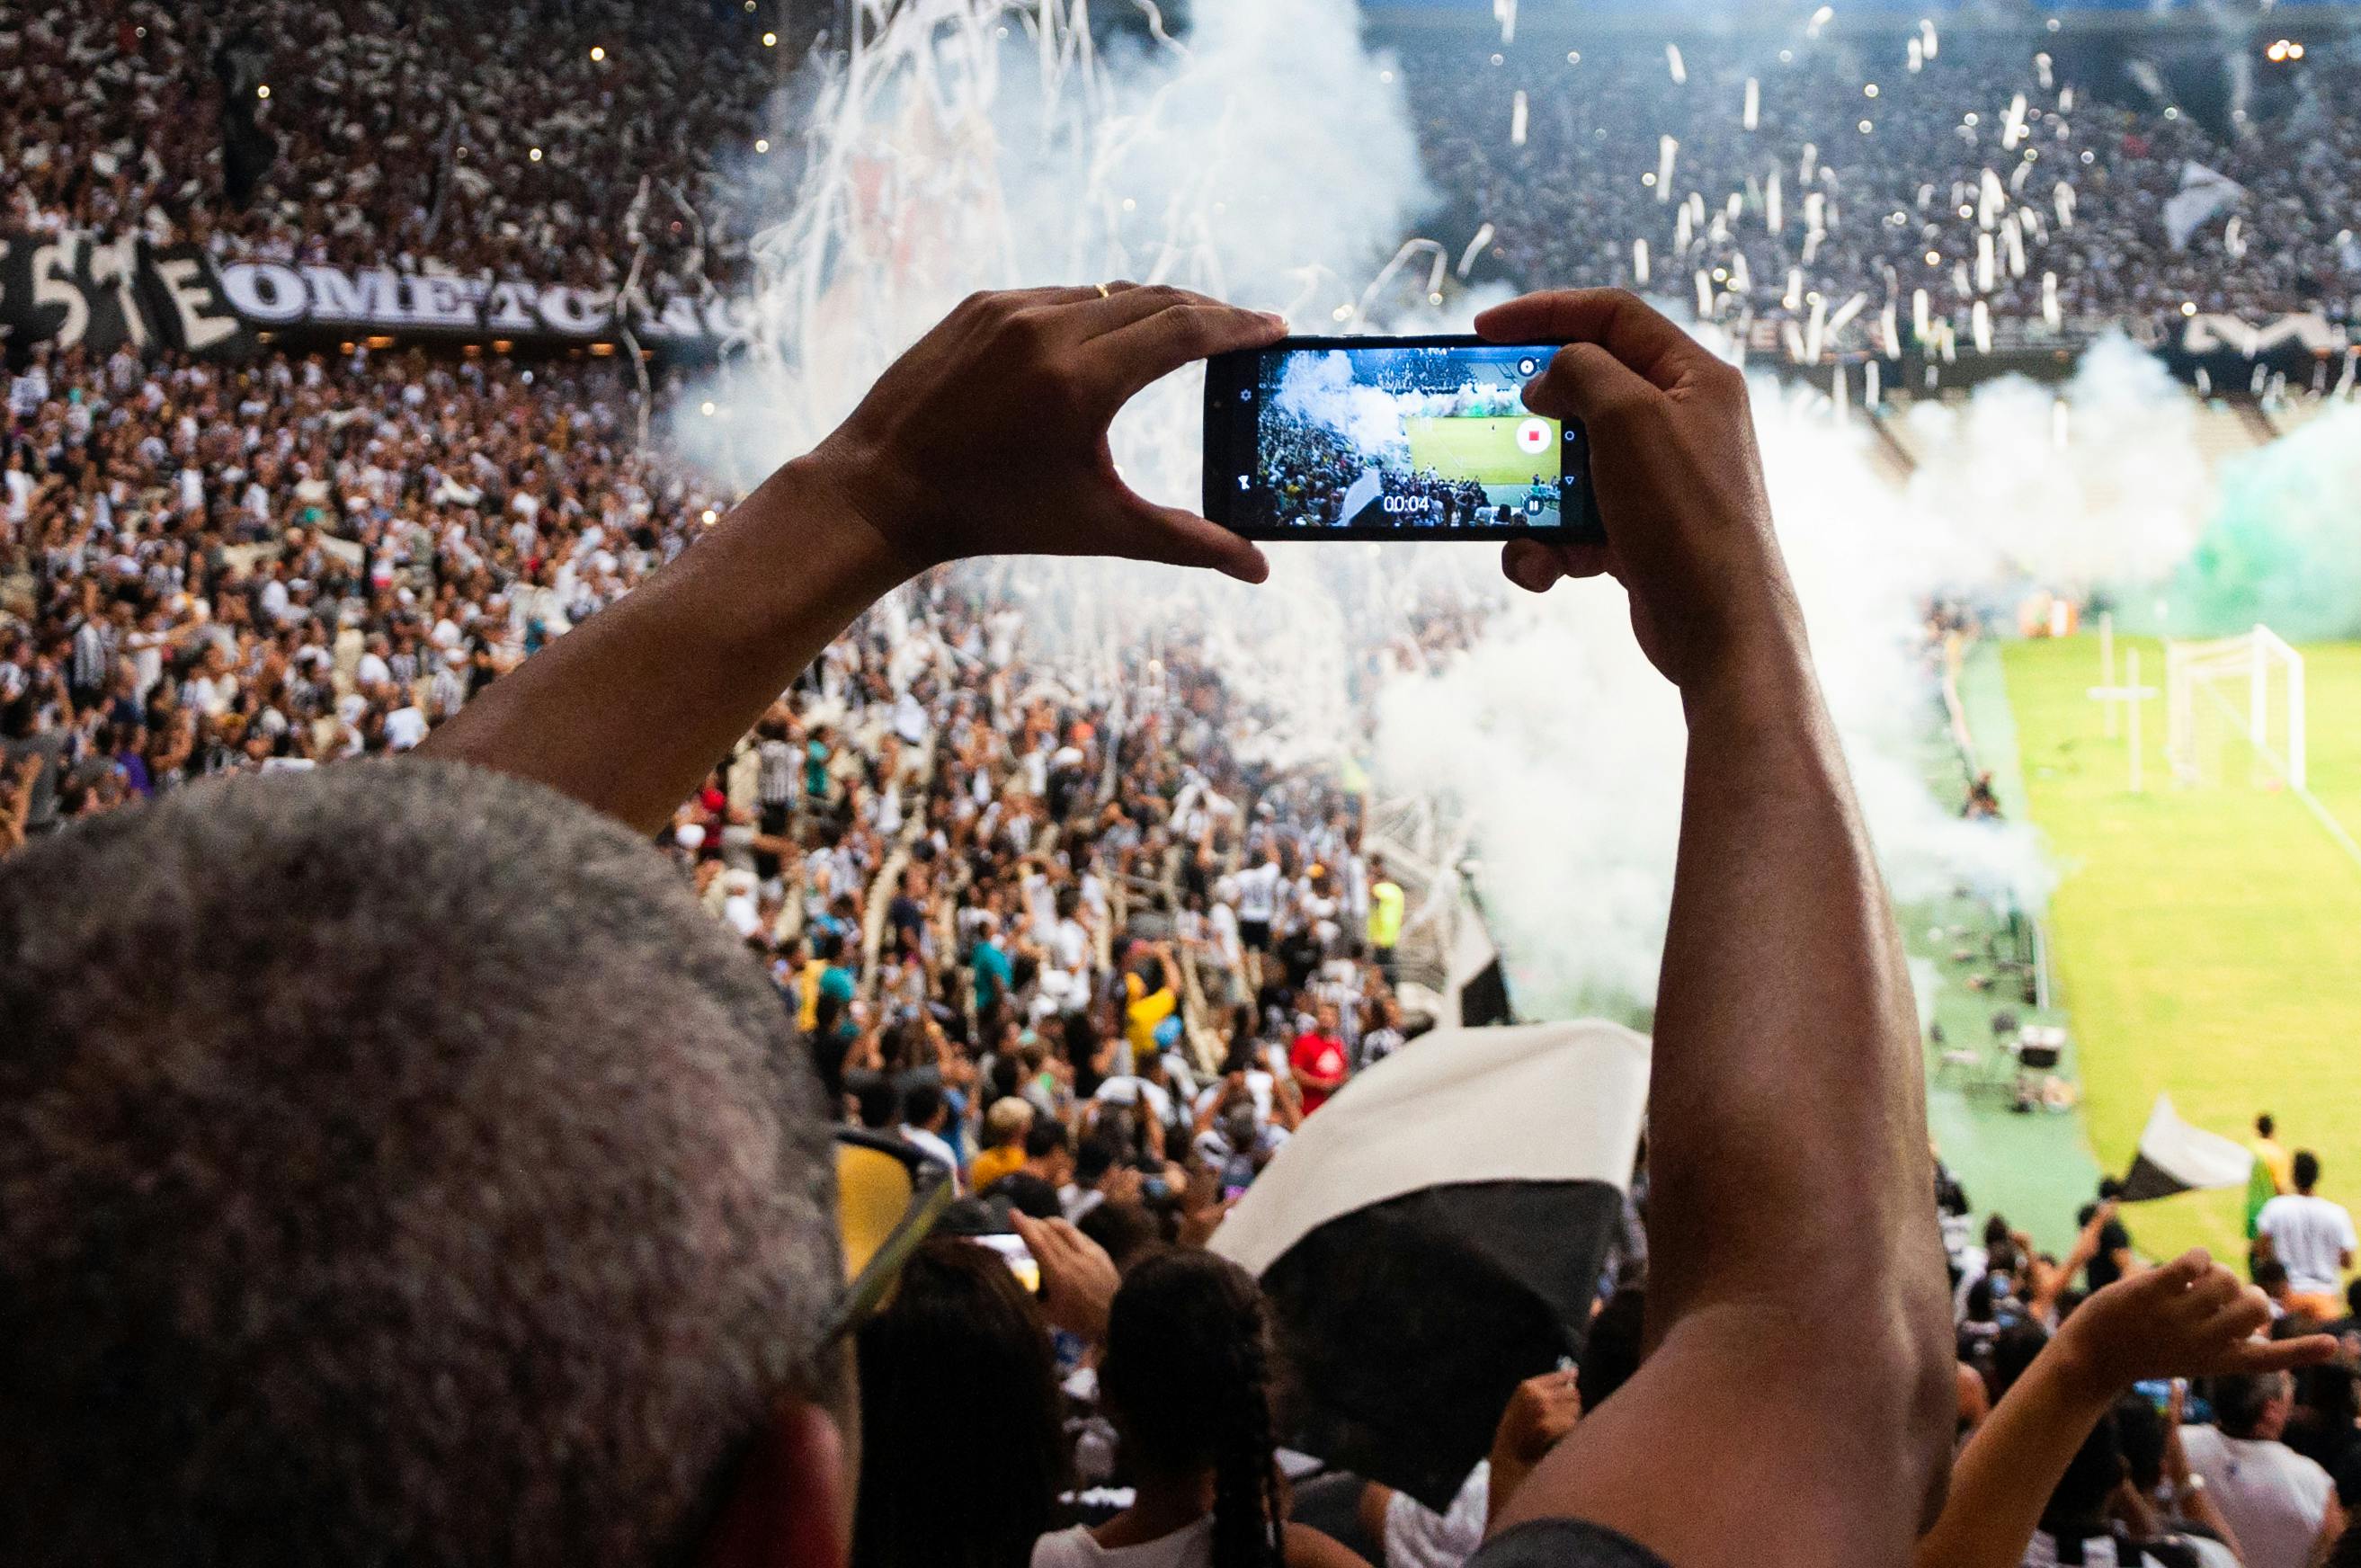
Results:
[1180, 538]
[1585, 382]
[2285, 1355]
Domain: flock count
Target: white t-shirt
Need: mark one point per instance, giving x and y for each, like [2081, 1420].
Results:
[405, 727]
[2312, 1237]
[2274, 1499]
[1070, 943]
[1192, 1546]
[1417, 1537]
[1258, 893]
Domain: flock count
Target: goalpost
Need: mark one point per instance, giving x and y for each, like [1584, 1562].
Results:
[2243, 697]
[2240, 695]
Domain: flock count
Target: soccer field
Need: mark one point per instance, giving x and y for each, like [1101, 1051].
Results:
[2207, 941]
[1484, 450]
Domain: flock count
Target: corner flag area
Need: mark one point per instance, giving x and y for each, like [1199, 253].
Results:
[2206, 938]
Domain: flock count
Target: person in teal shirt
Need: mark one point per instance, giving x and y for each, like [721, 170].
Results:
[816, 756]
[994, 976]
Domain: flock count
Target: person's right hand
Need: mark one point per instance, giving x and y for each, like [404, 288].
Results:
[1078, 1280]
[1679, 482]
[2189, 1318]
[989, 437]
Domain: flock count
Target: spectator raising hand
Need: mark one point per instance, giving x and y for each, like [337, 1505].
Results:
[2189, 1319]
[1078, 1280]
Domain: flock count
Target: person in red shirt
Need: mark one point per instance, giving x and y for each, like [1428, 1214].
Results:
[1318, 1061]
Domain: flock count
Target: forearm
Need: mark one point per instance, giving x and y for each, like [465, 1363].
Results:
[2005, 1475]
[1787, 1120]
[631, 710]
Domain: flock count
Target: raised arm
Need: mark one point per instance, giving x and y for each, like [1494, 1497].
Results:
[2189, 1319]
[989, 437]
[1801, 1359]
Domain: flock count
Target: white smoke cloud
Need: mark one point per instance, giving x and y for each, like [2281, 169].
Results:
[1319, 388]
[2122, 497]
[978, 146]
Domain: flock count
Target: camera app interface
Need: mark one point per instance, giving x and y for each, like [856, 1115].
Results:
[1404, 439]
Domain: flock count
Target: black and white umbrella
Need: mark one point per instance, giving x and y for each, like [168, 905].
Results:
[1434, 1235]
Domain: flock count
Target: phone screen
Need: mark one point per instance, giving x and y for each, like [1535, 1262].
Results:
[1392, 438]
[1019, 1258]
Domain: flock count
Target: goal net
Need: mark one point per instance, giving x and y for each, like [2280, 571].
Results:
[2236, 711]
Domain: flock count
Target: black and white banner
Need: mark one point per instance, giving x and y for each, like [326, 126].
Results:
[73, 290]
[274, 295]
[1434, 1235]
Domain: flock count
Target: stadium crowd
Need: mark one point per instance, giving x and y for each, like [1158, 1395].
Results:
[474, 139]
[1059, 933]
[493, 138]
[1875, 175]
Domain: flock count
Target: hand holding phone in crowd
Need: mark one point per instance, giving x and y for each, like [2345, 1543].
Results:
[1679, 481]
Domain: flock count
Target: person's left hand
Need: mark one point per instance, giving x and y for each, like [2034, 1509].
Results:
[1078, 1280]
[2189, 1318]
[989, 437]
[1541, 1413]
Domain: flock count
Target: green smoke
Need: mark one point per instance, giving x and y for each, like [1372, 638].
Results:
[2283, 549]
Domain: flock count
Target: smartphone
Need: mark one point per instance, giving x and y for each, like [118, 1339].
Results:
[1392, 438]
[1019, 1258]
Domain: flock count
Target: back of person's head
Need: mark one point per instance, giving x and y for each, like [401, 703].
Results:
[2270, 1277]
[1096, 1155]
[880, 1105]
[1125, 1232]
[2012, 1351]
[2140, 1433]
[2242, 1401]
[2079, 1501]
[2307, 1171]
[830, 945]
[1007, 1121]
[1188, 1377]
[2266, 1126]
[396, 1164]
[1044, 1137]
[961, 1352]
[921, 1103]
[1027, 1194]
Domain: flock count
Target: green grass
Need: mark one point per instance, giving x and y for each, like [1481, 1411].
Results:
[1484, 450]
[2207, 941]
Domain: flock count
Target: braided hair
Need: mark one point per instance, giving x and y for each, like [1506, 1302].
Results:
[1189, 1374]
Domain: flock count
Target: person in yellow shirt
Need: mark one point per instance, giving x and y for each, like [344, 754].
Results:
[1006, 1122]
[1386, 902]
[2274, 1154]
[1149, 1001]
